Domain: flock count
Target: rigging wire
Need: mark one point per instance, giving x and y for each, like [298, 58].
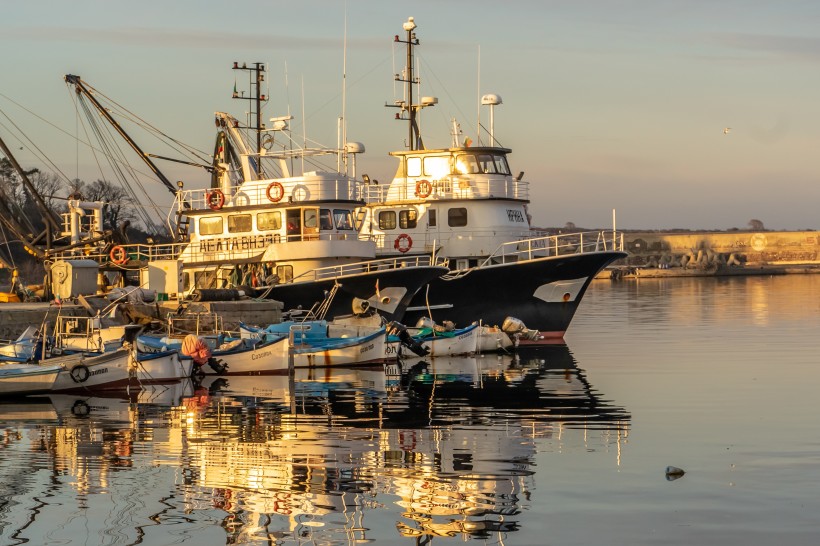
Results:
[111, 150]
[30, 145]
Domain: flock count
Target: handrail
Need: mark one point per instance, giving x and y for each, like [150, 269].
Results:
[555, 245]
[453, 186]
[356, 268]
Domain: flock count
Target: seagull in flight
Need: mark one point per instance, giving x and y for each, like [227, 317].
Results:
[726, 130]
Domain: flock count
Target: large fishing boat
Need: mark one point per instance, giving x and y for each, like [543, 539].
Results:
[283, 236]
[464, 203]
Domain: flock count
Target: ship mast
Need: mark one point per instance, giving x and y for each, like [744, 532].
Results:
[415, 140]
[256, 99]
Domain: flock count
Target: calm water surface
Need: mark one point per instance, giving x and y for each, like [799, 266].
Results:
[565, 445]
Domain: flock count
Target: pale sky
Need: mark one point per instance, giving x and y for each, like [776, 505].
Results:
[606, 104]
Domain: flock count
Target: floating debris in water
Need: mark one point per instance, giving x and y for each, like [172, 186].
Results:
[673, 473]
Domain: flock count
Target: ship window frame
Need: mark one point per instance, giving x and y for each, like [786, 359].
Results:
[310, 220]
[431, 217]
[436, 166]
[234, 221]
[262, 220]
[387, 220]
[326, 220]
[343, 219]
[455, 215]
[405, 222]
[414, 166]
[204, 229]
[285, 273]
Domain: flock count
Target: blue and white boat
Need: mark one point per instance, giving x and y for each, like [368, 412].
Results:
[317, 343]
[21, 379]
[435, 342]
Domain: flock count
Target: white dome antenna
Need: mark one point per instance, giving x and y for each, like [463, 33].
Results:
[491, 100]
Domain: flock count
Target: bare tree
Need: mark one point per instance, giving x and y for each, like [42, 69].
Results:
[756, 225]
[119, 207]
[569, 226]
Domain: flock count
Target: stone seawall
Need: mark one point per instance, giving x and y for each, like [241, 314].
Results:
[16, 317]
[732, 248]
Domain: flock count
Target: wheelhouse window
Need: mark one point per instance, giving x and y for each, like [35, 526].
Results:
[467, 164]
[284, 272]
[407, 219]
[482, 163]
[436, 166]
[457, 217]
[239, 223]
[342, 218]
[413, 166]
[311, 222]
[268, 221]
[211, 225]
[387, 219]
[325, 220]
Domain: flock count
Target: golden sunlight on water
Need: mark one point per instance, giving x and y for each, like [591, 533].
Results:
[565, 445]
[429, 449]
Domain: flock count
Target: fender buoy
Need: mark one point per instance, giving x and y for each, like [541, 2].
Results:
[80, 409]
[216, 199]
[118, 255]
[80, 373]
[403, 243]
[423, 189]
[275, 191]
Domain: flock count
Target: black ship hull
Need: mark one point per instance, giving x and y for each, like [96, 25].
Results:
[543, 293]
[389, 291]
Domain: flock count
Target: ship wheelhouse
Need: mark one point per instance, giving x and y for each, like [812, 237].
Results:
[462, 202]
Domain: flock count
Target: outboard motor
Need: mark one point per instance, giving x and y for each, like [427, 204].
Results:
[515, 327]
[218, 366]
[400, 330]
[427, 322]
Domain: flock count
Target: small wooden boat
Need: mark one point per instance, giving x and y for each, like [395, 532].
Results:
[26, 348]
[435, 342]
[492, 339]
[221, 356]
[317, 343]
[162, 367]
[22, 379]
[87, 371]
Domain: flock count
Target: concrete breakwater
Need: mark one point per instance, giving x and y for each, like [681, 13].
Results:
[653, 253]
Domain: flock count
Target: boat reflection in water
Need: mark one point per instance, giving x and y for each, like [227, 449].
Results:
[439, 448]
[443, 447]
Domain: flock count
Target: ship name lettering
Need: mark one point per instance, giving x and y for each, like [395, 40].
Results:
[515, 215]
[261, 355]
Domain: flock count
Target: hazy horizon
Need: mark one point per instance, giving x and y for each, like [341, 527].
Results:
[623, 106]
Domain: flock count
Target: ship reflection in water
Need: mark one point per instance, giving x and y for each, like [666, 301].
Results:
[444, 448]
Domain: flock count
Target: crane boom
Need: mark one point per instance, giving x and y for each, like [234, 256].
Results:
[81, 89]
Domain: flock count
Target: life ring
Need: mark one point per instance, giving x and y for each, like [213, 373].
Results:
[423, 189]
[118, 255]
[276, 195]
[403, 243]
[80, 373]
[80, 409]
[216, 199]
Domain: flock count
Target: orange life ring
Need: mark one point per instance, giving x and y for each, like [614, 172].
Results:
[118, 255]
[423, 189]
[280, 191]
[216, 199]
[403, 243]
